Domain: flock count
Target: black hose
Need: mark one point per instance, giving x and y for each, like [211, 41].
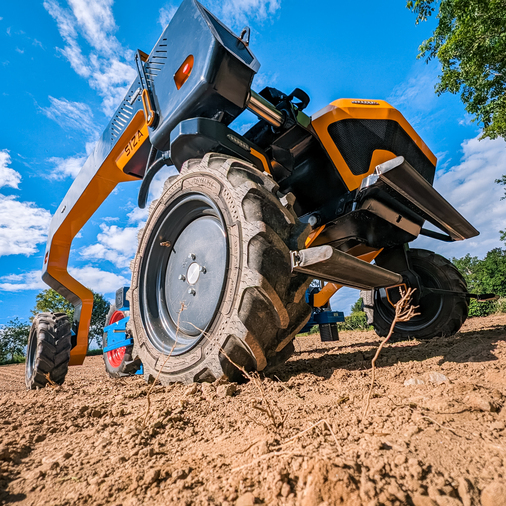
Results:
[151, 172]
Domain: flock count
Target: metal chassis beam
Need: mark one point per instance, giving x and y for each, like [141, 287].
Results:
[97, 179]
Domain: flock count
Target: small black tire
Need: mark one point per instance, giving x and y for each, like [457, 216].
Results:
[252, 319]
[48, 350]
[440, 315]
[119, 364]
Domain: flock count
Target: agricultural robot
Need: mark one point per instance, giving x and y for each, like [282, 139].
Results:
[225, 265]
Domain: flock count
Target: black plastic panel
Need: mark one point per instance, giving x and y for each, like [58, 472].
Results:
[357, 139]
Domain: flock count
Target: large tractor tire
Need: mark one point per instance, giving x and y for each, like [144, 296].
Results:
[119, 362]
[48, 350]
[212, 286]
[440, 315]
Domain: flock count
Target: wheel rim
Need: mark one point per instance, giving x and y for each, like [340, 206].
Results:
[183, 272]
[430, 305]
[30, 353]
[115, 357]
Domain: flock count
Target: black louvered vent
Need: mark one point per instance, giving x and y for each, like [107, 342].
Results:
[124, 113]
[156, 61]
[357, 139]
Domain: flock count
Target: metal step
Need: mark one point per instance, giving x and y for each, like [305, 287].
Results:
[401, 178]
[329, 264]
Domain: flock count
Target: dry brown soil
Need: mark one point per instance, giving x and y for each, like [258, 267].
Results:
[441, 442]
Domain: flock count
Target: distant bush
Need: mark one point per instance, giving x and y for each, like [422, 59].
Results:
[355, 321]
[97, 351]
[487, 275]
[17, 359]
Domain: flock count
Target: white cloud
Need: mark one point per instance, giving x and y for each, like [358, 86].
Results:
[23, 225]
[240, 12]
[74, 115]
[8, 176]
[470, 188]
[17, 282]
[98, 280]
[115, 244]
[105, 64]
[65, 167]
[91, 277]
[166, 14]
[415, 97]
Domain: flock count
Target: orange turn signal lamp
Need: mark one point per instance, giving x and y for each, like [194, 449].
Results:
[183, 72]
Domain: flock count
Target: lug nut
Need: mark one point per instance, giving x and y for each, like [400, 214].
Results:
[191, 256]
[202, 269]
[192, 291]
[182, 277]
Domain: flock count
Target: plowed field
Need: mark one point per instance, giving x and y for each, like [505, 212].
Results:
[435, 433]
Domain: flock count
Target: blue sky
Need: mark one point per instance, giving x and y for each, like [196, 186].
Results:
[65, 65]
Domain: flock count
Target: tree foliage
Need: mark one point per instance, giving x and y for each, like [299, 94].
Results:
[13, 339]
[484, 276]
[50, 300]
[470, 43]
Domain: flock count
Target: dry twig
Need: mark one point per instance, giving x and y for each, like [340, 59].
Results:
[404, 311]
[50, 382]
[322, 421]
[148, 408]
[275, 421]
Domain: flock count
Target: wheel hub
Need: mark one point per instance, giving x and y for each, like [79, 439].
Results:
[184, 273]
[193, 273]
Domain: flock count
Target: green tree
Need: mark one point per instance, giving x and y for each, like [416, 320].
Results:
[503, 182]
[13, 339]
[50, 300]
[484, 276]
[470, 43]
[357, 307]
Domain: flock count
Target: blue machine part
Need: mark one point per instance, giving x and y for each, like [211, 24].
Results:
[323, 318]
[117, 336]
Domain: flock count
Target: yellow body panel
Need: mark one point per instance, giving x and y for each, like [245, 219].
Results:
[361, 109]
[100, 186]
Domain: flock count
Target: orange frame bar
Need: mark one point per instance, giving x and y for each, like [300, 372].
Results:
[89, 190]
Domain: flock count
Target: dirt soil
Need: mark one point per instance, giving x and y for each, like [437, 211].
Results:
[435, 433]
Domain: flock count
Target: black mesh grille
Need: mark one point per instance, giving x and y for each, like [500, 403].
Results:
[357, 139]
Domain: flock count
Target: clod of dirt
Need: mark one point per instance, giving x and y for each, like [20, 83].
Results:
[413, 381]
[226, 390]
[247, 499]
[480, 402]
[494, 494]
[437, 378]
[423, 500]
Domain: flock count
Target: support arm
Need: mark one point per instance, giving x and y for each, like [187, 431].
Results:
[100, 174]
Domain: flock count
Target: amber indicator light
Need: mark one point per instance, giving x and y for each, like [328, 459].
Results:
[183, 72]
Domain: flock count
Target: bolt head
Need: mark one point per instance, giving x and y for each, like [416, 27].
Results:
[202, 269]
[182, 277]
[191, 256]
[192, 291]
[313, 220]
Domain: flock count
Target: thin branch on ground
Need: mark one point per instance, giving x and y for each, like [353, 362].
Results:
[50, 382]
[276, 421]
[263, 457]
[148, 408]
[320, 422]
[404, 311]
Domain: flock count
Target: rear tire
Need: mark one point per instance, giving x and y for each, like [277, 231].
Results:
[118, 363]
[440, 315]
[48, 350]
[212, 281]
